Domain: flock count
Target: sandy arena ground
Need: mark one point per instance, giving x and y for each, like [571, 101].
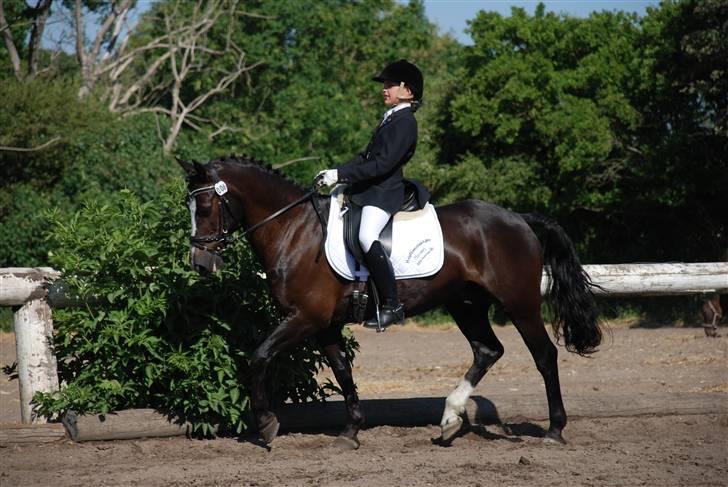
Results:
[653, 449]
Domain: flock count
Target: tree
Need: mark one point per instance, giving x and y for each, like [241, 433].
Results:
[146, 73]
[610, 123]
[113, 16]
[536, 112]
[683, 100]
[313, 98]
[21, 16]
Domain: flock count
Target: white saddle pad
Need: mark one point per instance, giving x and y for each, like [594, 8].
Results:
[417, 247]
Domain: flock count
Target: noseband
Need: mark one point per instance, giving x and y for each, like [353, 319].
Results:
[221, 189]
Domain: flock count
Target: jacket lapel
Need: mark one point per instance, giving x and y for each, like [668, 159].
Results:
[385, 122]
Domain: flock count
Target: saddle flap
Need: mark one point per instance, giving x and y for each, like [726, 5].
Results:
[416, 197]
[417, 249]
[352, 224]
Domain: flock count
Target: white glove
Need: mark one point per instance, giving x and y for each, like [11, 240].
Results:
[328, 177]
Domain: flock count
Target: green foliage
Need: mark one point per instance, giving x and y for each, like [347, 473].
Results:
[615, 125]
[313, 95]
[93, 162]
[599, 123]
[153, 333]
[39, 112]
[535, 108]
[19, 18]
[6, 320]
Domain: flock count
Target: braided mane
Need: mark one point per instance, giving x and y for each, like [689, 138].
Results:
[248, 161]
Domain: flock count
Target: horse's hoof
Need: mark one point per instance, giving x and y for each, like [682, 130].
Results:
[554, 438]
[346, 443]
[268, 428]
[449, 430]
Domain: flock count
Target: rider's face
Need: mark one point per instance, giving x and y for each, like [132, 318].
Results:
[394, 94]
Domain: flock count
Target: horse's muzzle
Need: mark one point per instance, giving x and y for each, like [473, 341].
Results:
[205, 262]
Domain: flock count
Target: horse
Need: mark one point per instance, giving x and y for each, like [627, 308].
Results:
[491, 254]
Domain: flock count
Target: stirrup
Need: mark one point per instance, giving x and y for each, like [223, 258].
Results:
[384, 317]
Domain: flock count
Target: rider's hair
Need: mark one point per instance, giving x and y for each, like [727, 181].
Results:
[416, 103]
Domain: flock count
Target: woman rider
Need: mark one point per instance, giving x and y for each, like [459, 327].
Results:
[375, 178]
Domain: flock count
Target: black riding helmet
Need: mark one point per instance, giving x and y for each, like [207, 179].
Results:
[403, 70]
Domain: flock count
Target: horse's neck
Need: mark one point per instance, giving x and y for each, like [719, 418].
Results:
[262, 193]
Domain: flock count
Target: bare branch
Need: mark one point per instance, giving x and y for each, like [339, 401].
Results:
[157, 110]
[108, 23]
[45, 145]
[223, 83]
[293, 161]
[176, 57]
[80, 36]
[256, 16]
[222, 129]
[36, 34]
[9, 43]
[137, 86]
[159, 129]
[118, 25]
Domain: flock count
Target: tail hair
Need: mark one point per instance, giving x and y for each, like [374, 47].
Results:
[571, 295]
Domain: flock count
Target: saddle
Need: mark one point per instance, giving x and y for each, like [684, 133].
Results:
[415, 198]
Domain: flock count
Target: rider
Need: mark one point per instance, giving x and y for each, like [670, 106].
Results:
[375, 178]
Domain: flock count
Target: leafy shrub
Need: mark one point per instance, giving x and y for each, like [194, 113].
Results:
[155, 334]
[95, 164]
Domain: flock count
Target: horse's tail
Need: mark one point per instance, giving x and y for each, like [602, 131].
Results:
[570, 296]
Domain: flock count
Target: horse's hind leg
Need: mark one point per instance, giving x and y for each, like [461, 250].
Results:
[530, 326]
[332, 344]
[471, 316]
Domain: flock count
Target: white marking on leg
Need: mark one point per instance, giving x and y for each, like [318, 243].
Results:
[455, 402]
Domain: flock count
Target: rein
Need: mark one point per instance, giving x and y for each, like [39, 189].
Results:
[220, 189]
[279, 212]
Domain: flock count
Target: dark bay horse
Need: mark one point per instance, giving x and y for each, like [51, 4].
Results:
[491, 254]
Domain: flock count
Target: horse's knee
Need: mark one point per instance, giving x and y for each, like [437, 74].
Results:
[340, 370]
[259, 360]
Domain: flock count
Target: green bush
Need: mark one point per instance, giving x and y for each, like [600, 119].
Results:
[95, 164]
[155, 334]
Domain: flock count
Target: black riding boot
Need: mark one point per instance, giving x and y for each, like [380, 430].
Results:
[380, 269]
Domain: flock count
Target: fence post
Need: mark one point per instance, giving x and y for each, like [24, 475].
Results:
[37, 368]
[36, 359]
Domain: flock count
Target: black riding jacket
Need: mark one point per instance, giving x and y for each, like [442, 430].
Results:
[375, 175]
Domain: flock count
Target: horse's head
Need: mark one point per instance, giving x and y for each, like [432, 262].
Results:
[212, 216]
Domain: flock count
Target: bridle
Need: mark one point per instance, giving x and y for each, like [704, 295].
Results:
[223, 236]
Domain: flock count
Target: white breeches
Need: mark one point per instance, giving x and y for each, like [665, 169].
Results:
[373, 220]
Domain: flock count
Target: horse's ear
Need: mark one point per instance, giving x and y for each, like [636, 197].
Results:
[199, 168]
[188, 167]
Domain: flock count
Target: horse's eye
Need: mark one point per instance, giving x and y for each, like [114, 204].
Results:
[203, 210]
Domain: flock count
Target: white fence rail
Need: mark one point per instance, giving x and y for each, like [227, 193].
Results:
[656, 279]
[37, 369]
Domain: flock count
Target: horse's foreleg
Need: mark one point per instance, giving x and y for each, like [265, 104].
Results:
[291, 331]
[332, 344]
[472, 319]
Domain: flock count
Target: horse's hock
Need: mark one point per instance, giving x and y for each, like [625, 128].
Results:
[28, 289]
